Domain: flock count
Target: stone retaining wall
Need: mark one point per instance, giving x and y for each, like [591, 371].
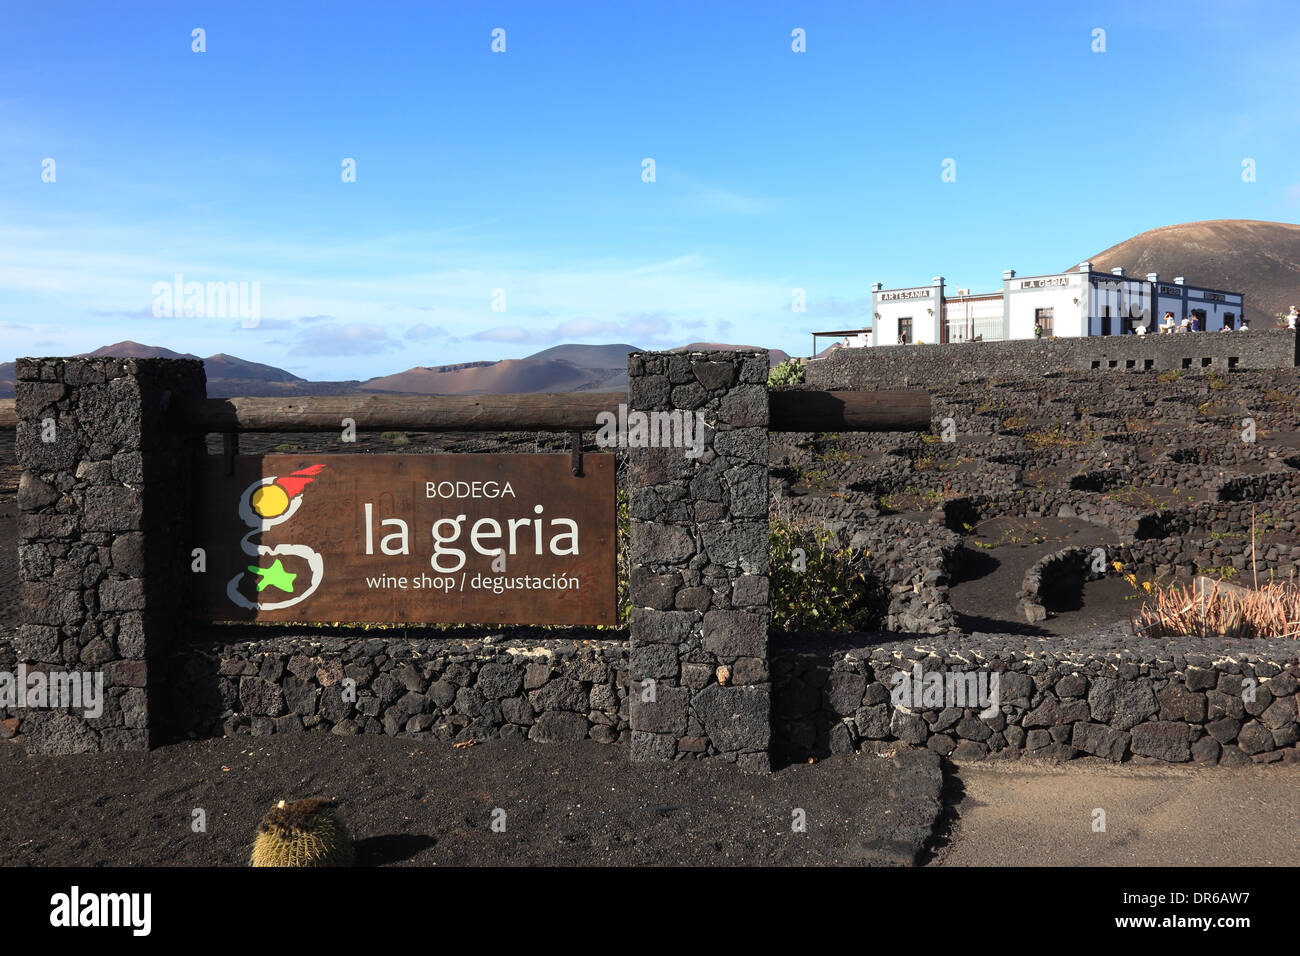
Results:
[897, 365]
[468, 686]
[1107, 695]
[1064, 570]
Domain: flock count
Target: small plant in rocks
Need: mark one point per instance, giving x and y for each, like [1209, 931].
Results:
[785, 375]
[818, 582]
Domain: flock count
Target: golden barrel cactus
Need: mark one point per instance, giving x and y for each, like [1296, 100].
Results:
[302, 833]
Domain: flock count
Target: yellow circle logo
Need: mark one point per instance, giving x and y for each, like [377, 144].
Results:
[269, 501]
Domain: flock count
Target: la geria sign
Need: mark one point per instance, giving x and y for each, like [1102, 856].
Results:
[472, 539]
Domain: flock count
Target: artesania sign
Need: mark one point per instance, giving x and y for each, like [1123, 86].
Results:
[470, 539]
[907, 294]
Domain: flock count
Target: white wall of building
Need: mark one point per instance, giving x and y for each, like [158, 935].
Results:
[1064, 294]
[922, 304]
[1079, 302]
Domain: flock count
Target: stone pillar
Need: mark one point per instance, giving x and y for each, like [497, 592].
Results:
[103, 541]
[699, 680]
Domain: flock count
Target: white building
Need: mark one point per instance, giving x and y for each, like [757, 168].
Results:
[1065, 304]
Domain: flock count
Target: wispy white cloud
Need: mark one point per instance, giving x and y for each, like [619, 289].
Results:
[423, 331]
[512, 334]
[691, 195]
[92, 283]
[351, 339]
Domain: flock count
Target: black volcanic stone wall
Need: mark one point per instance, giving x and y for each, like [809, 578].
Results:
[473, 686]
[103, 535]
[894, 365]
[104, 565]
[1052, 574]
[1108, 695]
[699, 563]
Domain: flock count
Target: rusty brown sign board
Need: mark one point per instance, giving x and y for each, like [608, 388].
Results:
[468, 539]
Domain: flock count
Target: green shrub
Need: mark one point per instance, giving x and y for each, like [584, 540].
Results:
[788, 373]
[832, 592]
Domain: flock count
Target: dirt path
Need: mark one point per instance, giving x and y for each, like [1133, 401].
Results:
[1021, 814]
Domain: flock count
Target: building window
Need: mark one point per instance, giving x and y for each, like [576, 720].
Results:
[961, 327]
[1229, 320]
[905, 330]
[1043, 320]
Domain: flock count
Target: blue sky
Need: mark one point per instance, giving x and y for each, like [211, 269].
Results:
[522, 171]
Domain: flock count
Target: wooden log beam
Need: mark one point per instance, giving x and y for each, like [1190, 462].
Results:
[898, 410]
[795, 410]
[557, 412]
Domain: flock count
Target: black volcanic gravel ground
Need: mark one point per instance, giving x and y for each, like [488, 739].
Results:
[998, 554]
[409, 801]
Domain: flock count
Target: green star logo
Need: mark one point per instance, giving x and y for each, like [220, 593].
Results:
[274, 576]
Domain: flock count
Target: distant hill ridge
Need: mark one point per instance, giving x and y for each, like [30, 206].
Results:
[1258, 258]
[217, 366]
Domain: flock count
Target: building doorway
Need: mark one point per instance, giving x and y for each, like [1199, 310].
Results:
[1043, 320]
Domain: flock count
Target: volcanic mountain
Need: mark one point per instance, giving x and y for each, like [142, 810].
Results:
[1259, 259]
[509, 375]
[562, 368]
[129, 349]
[227, 374]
